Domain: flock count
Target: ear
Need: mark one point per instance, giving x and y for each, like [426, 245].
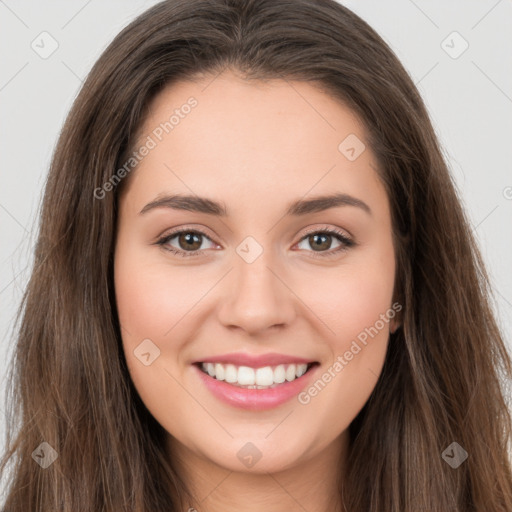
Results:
[397, 305]
[394, 325]
[396, 322]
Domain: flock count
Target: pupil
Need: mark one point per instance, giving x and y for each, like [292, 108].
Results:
[190, 238]
[324, 245]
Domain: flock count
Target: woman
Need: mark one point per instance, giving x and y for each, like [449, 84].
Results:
[254, 283]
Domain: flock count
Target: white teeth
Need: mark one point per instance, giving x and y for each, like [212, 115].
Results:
[246, 376]
[290, 372]
[279, 374]
[230, 373]
[301, 370]
[255, 378]
[264, 376]
[219, 371]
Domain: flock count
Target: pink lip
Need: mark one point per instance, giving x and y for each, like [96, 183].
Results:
[255, 361]
[255, 399]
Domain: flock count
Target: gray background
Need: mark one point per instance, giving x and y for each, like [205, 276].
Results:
[469, 98]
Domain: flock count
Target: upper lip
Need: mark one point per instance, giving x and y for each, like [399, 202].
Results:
[253, 360]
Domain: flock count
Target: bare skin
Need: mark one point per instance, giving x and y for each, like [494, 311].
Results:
[256, 147]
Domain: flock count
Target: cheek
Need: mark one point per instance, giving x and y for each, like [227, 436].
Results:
[355, 302]
[353, 306]
[150, 302]
[362, 327]
[151, 298]
[350, 298]
[360, 300]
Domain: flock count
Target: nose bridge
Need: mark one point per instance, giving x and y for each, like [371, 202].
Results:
[254, 279]
[256, 298]
[255, 276]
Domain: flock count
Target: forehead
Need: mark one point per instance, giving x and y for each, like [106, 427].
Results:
[228, 137]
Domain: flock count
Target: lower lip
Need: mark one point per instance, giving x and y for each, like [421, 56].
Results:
[255, 399]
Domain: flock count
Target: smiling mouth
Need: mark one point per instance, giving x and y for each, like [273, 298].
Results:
[265, 377]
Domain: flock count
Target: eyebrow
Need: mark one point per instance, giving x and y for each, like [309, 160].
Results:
[296, 208]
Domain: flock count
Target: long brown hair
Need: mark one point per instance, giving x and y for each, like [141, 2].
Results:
[444, 376]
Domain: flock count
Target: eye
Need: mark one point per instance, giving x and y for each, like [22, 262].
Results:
[189, 242]
[321, 241]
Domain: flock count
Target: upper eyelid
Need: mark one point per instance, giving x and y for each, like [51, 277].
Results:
[331, 230]
[186, 229]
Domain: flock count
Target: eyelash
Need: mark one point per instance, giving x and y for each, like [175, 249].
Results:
[345, 241]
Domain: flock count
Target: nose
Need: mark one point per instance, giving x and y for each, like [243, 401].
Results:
[257, 297]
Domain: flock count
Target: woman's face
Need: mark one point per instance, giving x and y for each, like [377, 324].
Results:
[269, 279]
